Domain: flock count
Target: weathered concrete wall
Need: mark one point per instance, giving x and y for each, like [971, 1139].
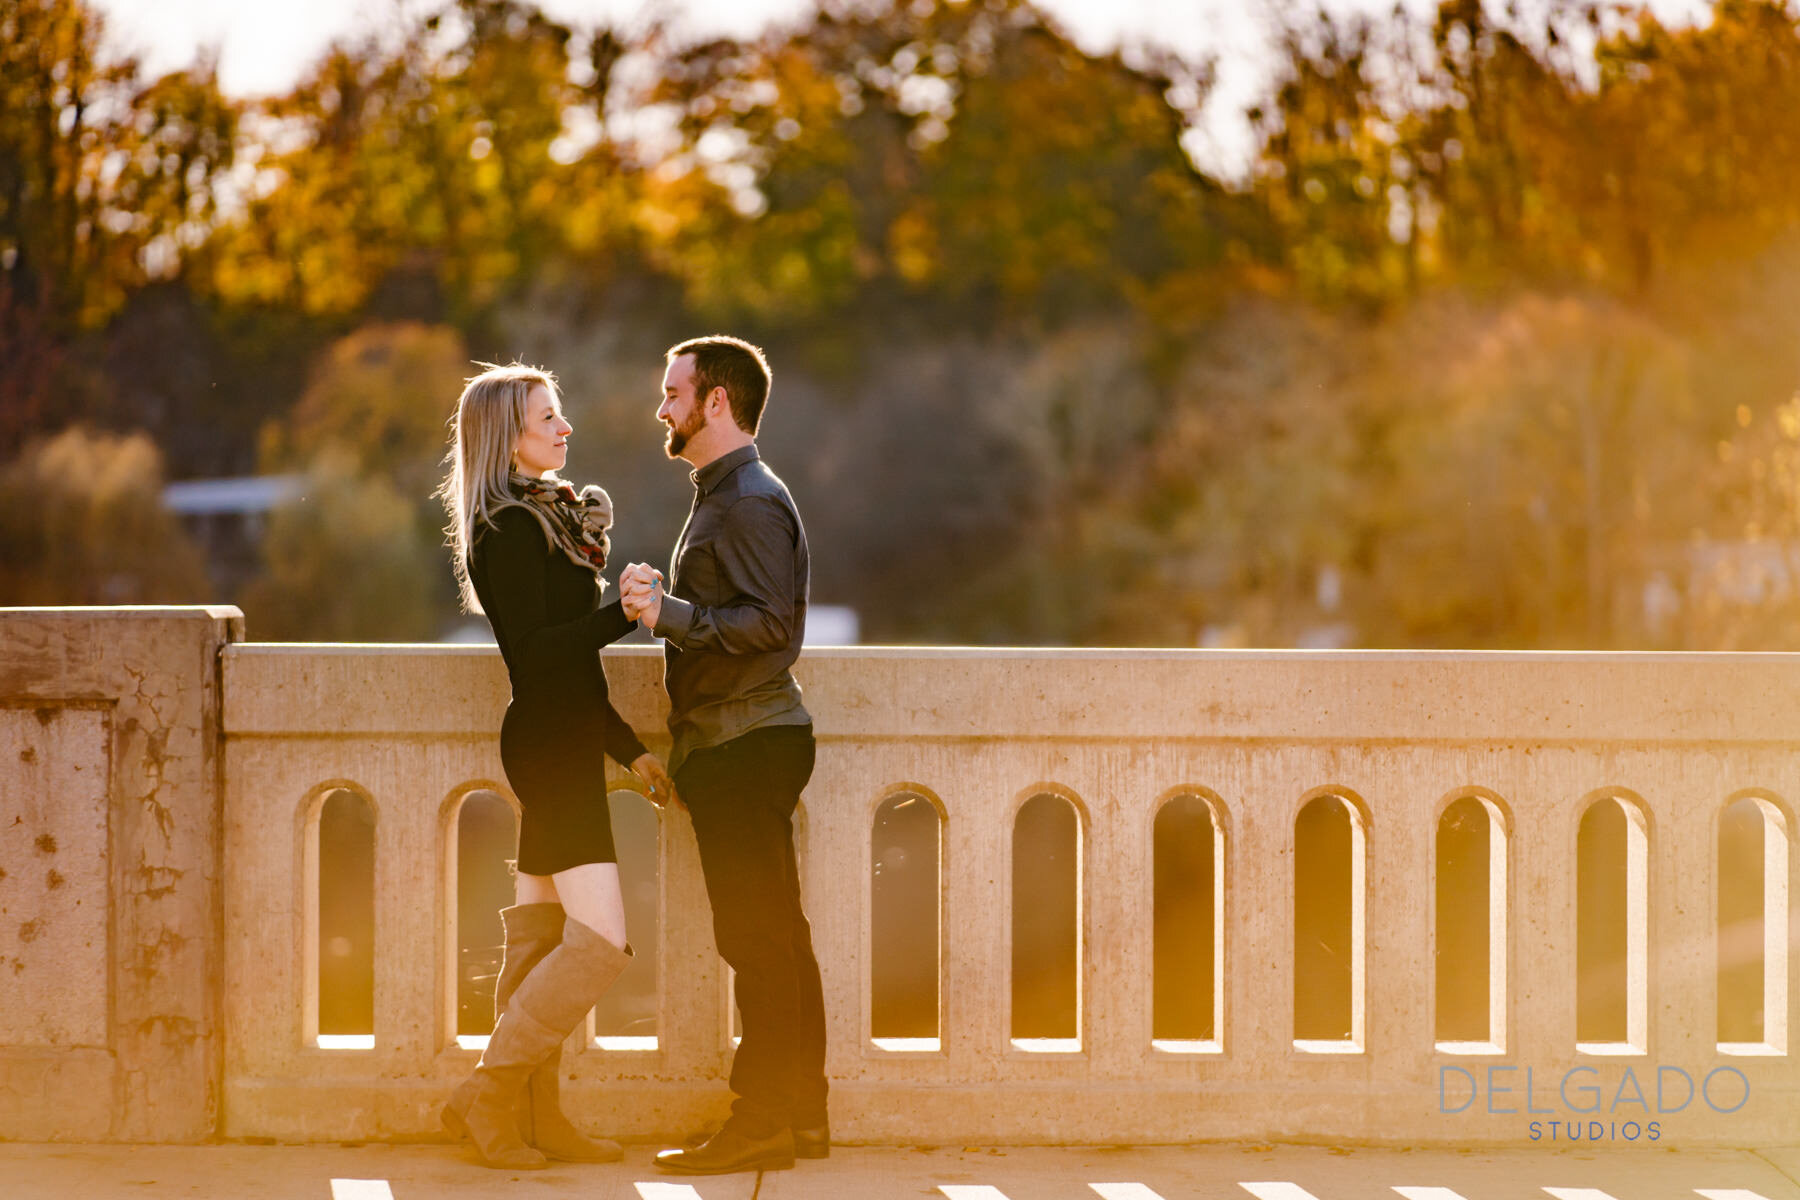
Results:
[158, 788]
[1396, 736]
[109, 872]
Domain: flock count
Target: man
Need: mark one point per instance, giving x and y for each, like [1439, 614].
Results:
[732, 618]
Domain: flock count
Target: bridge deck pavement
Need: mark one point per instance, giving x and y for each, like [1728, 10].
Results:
[1200, 1172]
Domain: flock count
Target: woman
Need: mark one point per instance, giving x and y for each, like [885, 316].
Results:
[528, 553]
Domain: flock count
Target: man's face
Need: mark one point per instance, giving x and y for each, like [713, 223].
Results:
[680, 410]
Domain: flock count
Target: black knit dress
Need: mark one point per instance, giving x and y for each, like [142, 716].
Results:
[547, 616]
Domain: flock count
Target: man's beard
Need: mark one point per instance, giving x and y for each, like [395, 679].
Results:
[680, 435]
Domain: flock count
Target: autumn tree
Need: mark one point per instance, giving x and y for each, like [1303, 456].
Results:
[963, 165]
[106, 183]
[381, 400]
[82, 521]
[446, 170]
[345, 562]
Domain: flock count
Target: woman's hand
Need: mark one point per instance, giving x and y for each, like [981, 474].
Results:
[650, 769]
[640, 593]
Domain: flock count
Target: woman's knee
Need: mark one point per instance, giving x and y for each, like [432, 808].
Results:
[591, 894]
[534, 889]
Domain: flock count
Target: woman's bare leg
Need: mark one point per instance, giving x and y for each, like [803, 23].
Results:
[590, 894]
[534, 889]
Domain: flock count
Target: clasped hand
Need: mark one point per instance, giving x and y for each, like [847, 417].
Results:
[640, 593]
[650, 769]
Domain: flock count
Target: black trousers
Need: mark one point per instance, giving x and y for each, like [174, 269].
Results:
[741, 796]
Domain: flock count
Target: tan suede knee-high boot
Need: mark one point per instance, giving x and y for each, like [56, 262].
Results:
[532, 931]
[549, 1002]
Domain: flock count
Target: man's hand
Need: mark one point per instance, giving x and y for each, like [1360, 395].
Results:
[640, 594]
[650, 769]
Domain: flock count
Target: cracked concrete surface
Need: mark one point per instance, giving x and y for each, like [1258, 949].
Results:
[112, 944]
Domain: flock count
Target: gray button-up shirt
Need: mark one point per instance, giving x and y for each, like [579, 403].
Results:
[735, 611]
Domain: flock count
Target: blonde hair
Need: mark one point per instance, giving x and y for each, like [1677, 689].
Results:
[490, 416]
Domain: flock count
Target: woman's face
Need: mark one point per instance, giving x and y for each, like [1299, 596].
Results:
[544, 444]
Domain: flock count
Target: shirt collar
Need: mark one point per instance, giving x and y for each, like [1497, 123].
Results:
[713, 473]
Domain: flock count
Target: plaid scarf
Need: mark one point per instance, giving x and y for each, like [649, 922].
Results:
[576, 521]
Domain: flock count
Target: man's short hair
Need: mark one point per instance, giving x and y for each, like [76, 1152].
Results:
[735, 365]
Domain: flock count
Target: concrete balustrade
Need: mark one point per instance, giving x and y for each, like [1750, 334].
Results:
[110, 833]
[1387, 741]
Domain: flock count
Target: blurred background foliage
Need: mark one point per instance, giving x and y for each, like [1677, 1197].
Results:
[1497, 344]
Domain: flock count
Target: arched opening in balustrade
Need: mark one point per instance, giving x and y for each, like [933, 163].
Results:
[1612, 855]
[1469, 926]
[1330, 857]
[905, 944]
[1188, 913]
[625, 1020]
[1046, 924]
[1753, 925]
[338, 919]
[734, 1020]
[484, 838]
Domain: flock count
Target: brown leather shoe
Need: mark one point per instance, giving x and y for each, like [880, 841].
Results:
[812, 1143]
[728, 1151]
[700, 1137]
